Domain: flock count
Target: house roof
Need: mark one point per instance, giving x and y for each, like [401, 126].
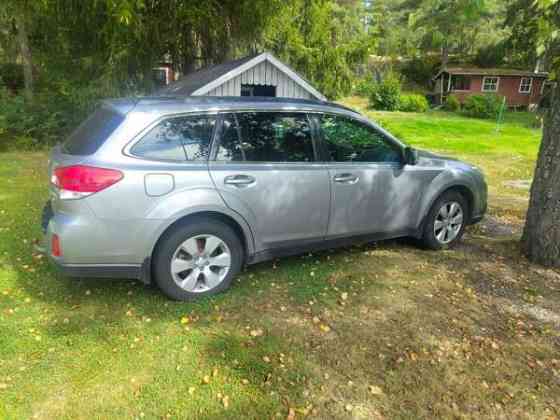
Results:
[204, 80]
[475, 71]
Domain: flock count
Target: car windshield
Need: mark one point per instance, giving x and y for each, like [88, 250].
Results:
[92, 133]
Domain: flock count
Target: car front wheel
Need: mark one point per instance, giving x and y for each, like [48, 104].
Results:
[446, 221]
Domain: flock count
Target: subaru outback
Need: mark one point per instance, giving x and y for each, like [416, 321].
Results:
[184, 192]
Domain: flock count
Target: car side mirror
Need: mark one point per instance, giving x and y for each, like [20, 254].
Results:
[410, 156]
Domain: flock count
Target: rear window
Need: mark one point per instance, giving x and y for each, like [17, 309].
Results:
[92, 133]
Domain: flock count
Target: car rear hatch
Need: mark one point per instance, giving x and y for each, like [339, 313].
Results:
[78, 148]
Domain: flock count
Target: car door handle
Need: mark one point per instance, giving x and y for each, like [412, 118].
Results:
[239, 180]
[346, 178]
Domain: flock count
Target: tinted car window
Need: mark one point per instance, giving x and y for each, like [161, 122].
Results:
[348, 140]
[178, 139]
[230, 146]
[92, 133]
[266, 137]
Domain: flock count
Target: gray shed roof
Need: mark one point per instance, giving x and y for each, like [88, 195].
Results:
[201, 81]
[190, 83]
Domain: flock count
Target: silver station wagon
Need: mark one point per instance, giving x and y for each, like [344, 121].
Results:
[185, 191]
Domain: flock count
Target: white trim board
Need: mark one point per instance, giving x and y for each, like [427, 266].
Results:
[253, 62]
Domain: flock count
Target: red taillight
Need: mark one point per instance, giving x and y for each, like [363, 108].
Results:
[85, 179]
[55, 246]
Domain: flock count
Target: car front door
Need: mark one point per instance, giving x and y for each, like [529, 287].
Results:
[372, 190]
[265, 168]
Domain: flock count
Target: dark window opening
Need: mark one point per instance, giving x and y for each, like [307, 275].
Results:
[159, 77]
[266, 137]
[178, 139]
[460, 83]
[92, 133]
[258, 90]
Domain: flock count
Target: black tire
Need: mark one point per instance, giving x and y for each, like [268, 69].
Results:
[171, 241]
[429, 239]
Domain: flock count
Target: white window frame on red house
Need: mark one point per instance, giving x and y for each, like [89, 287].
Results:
[484, 83]
[529, 85]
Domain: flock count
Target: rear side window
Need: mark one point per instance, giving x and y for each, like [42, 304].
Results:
[92, 133]
[178, 139]
[266, 137]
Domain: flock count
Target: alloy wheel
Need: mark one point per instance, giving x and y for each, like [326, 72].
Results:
[200, 263]
[448, 223]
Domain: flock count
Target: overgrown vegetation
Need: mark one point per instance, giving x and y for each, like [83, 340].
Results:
[386, 94]
[452, 103]
[48, 119]
[413, 102]
[487, 105]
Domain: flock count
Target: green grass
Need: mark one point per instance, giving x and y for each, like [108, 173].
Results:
[376, 331]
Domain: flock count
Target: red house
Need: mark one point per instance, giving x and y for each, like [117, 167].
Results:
[521, 88]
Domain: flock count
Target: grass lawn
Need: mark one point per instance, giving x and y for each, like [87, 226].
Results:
[380, 331]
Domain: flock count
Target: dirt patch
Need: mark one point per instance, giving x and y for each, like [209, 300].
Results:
[492, 226]
[522, 184]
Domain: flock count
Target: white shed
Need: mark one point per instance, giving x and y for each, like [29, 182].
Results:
[257, 75]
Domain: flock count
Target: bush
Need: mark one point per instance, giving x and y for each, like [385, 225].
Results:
[363, 87]
[483, 106]
[55, 111]
[420, 70]
[452, 104]
[11, 76]
[27, 126]
[385, 95]
[413, 103]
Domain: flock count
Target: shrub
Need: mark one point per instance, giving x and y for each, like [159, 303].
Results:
[363, 87]
[420, 71]
[385, 95]
[452, 103]
[11, 76]
[413, 103]
[483, 106]
[55, 111]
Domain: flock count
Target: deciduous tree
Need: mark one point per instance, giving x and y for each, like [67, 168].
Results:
[541, 236]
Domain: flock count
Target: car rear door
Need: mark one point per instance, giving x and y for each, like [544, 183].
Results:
[372, 190]
[265, 168]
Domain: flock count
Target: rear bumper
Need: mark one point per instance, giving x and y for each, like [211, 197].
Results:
[99, 270]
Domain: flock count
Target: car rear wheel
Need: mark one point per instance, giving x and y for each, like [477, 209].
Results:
[197, 259]
[446, 221]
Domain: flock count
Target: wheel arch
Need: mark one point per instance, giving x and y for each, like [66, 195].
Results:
[238, 225]
[461, 188]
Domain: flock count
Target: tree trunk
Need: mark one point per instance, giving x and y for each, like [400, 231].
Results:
[23, 43]
[541, 237]
[187, 50]
[444, 55]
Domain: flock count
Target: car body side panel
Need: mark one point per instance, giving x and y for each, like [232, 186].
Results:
[384, 199]
[173, 209]
[445, 180]
[287, 201]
